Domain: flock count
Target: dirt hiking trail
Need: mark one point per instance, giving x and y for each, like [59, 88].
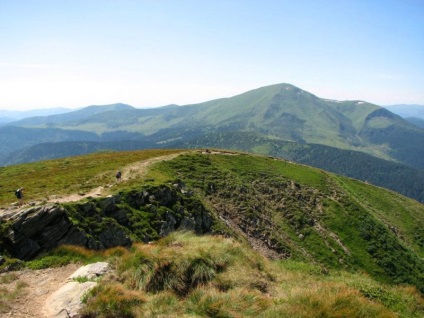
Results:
[38, 285]
[35, 286]
[134, 170]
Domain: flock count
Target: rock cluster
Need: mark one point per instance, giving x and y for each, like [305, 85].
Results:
[117, 220]
[42, 228]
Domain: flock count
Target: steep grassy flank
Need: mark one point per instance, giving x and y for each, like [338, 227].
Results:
[307, 214]
[391, 175]
[68, 176]
[337, 247]
[282, 209]
[402, 216]
[357, 111]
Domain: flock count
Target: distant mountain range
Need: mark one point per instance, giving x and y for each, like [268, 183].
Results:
[416, 121]
[263, 119]
[411, 113]
[8, 116]
[407, 110]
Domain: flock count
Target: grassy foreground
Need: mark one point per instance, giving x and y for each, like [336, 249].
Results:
[184, 275]
[343, 226]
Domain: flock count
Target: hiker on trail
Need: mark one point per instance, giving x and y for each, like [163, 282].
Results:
[118, 176]
[20, 195]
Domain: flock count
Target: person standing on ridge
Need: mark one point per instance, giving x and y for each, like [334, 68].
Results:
[118, 176]
[20, 195]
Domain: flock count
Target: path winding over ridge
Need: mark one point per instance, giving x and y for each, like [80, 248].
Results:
[134, 170]
[40, 284]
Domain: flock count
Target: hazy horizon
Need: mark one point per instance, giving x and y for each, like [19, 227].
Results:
[73, 54]
[71, 108]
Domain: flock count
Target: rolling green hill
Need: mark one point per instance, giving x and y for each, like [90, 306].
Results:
[400, 178]
[313, 226]
[281, 111]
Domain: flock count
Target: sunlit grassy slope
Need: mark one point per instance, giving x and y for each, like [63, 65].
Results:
[327, 229]
[184, 275]
[281, 112]
[74, 175]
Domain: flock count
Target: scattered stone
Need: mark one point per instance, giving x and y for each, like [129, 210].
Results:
[91, 271]
[67, 300]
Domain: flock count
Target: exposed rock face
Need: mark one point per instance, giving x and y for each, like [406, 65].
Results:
[42, 228]
[116, 220]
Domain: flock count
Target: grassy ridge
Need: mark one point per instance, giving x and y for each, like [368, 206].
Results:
[312, 215]
[345, 245]
[400, 178]
[68, 176]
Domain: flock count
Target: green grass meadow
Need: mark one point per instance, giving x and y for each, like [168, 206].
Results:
[350, 249]
[74, 175]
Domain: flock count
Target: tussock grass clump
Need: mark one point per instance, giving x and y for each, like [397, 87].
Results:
[164, 304]
[235, 303]
[403, 299]
[184, 275]
[329, 300]
[112, 300]
[181, 262]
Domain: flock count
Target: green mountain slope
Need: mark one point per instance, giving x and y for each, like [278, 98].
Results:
[285, 210]
[308, 214]
[400, 178]
[274, 238]
[279, 111]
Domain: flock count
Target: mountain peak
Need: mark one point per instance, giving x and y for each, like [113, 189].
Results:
[110, 107]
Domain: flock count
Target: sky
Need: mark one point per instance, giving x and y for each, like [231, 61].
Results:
[75, 53]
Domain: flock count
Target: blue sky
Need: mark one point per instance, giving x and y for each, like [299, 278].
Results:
[74, 53]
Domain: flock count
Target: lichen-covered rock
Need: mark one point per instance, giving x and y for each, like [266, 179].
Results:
[43, 228]
[114, 236]
[145, 214]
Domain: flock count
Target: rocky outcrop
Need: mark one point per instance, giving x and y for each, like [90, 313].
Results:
[117, 220]
[39, 229]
